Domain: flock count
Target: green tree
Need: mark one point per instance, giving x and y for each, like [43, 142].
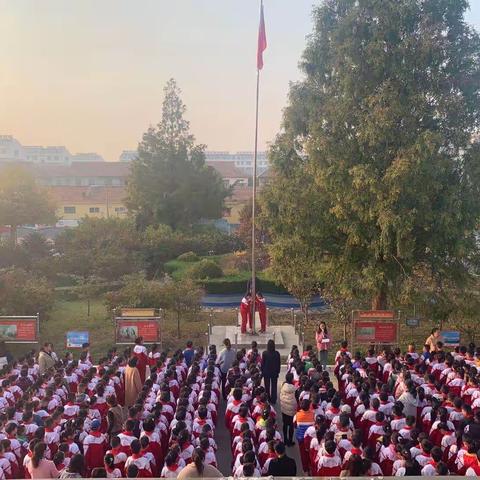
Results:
[170, 182]
[22, 202]
[183, 299]
[87, 289]
[375, 169]
[22, 293]
[106, 248]
[292, 267]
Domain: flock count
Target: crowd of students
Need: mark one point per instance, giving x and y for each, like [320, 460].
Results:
[146, 413]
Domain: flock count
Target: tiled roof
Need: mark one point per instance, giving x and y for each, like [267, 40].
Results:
[82, 169]
[227, 169]
[87, 195]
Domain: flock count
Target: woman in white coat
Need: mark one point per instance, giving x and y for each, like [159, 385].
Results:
[288, 407]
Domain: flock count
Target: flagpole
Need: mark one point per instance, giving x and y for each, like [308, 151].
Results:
[254, 200]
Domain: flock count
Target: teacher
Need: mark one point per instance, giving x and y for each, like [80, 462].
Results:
[324, 341]
[271, 370]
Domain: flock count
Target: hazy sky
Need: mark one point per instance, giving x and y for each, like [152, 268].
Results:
[89, 74]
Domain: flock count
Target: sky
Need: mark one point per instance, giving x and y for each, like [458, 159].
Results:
[89, 74]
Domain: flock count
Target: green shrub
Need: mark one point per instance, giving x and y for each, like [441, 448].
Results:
[205, 269]
[188, 257]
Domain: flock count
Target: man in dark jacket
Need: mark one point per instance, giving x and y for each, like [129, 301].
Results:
[271, 370]
[283, 465]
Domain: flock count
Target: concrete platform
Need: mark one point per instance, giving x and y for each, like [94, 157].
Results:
[283, 335]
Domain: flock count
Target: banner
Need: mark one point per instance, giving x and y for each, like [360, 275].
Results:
[450, 338]
[128, 329]
[375, 326]
[138, 312]
[19, 329]
[77, 339]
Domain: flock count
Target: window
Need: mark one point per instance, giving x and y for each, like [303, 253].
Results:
[69, 210]
[119, 209]
[94, 210]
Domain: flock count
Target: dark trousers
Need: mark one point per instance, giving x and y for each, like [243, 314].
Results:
[271, 388]
[288, 429]
[224, 381]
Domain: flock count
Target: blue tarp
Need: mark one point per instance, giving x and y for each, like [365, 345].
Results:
[273, 301]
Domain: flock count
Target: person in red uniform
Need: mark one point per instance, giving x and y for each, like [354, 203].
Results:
[141, 353]
[261, 308]
[245, 312]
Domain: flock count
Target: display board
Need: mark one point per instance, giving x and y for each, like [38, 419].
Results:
[19, 329]
[138, 312]
[77, 339]
[127, 329]
[450, 338]
[374, 327]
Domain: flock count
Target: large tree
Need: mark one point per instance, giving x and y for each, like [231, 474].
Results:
[170, 182]
[375, 169]
[22, 201]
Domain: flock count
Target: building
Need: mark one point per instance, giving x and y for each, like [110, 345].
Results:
[230, 174]
[74, 202]
[11, 150]
[127, 156]
[82, 174]
[241, 160]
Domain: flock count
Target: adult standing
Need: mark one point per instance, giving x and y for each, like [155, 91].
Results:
[198, 468]
[133, 383]
[432, 340]
[46, 360]
[76, 467]
[39, 466]
[271, 370]
[115, 417]
[282, 465]
[288, 407]
[225, 359]
[324, 341]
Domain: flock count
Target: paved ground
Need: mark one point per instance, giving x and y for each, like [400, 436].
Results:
[222, 437]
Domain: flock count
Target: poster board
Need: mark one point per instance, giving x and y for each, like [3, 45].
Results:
[450, 338]
[374, 327]
[127, 329]
[138, 312]
[76, 339]
[19, 329]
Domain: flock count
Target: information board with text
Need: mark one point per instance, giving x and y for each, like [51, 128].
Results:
[128, 329]
[374, 327]
[19, 329]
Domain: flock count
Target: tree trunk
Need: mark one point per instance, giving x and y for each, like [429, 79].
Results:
[13, 235]
[88, 307]
[178, 325]
[379, 301]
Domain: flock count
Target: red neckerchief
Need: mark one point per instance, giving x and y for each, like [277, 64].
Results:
[136, 456]
[173, 468]
[49, 430]
[356, 451]
[127, 433]
[96, 433]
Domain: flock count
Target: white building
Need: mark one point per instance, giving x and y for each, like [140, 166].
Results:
[242, 160]
[127, 156]
[11, 150]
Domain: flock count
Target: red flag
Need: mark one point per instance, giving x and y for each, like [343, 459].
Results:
[262, 40]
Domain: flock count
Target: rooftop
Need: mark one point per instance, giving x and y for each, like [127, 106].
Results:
[87, 195]
[227, 169]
